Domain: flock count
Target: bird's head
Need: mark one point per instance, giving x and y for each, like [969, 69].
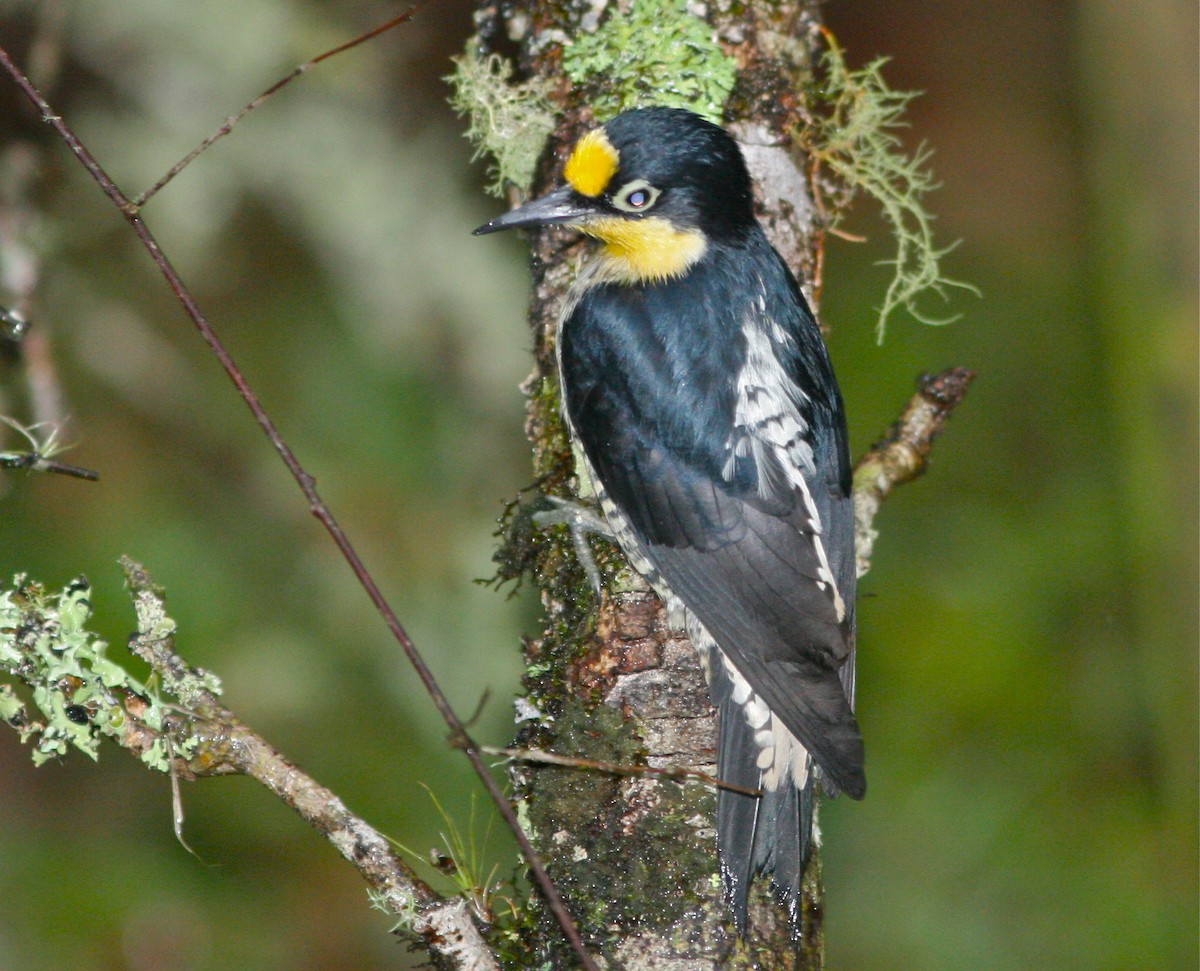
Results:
[655, 185]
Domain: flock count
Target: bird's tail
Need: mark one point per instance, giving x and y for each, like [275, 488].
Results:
[765, 834]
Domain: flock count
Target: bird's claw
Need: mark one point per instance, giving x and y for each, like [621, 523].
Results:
[581, 520]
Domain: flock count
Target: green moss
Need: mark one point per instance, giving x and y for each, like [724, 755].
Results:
[584, 830]
[655, 54]
[527, 549]
[853, 136]
[506, 119]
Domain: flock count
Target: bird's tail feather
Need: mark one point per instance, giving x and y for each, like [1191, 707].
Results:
[766, 834]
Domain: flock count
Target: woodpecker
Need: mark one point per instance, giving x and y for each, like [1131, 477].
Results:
[698, 386]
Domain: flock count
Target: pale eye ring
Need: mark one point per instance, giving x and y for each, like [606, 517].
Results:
[636, 196]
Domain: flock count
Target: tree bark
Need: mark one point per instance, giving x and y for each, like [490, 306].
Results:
[635, 856]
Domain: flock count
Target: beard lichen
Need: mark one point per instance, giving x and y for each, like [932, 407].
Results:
[508, 120]
[852, 136]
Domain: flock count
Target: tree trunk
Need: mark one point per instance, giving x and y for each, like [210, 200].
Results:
[635, 855]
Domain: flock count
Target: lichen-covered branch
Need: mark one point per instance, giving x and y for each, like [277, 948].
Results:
[903, 454]
[82, 698]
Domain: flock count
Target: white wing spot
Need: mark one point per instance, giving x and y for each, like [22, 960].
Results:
[741, 692]
[770, 429]
[757, 712]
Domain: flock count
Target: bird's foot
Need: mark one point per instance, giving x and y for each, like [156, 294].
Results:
[582, 520]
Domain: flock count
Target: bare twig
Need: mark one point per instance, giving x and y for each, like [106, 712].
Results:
[903, 453]
[33, 462]
[459, 738]
[229, 122]
[614, 768]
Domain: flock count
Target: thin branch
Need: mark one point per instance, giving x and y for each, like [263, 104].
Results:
[227, 126]
[34, 462]
[903, 454]
[459, 738]
[44, 444]
[229, 746]
[615, 768]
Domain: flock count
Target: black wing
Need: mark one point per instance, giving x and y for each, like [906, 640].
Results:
[752, 578]
[655, 414]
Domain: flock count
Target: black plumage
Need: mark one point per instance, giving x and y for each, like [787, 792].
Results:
[697, 383]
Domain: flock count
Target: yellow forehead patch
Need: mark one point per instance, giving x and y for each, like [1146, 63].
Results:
[592, 164]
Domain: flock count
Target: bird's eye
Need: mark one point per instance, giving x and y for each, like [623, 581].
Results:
[636, 196]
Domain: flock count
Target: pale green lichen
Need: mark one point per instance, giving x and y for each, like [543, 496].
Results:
[507, 120]
[397, 904]
[80, 695]
[656, 53]
[854, 137]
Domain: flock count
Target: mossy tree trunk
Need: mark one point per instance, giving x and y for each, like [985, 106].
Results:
[635, 856]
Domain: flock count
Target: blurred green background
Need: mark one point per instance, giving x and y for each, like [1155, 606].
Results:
[1028, 634]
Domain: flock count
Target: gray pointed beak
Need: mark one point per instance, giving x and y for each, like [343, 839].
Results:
[563, 205]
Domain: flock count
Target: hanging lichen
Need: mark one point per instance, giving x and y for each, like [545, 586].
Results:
[507, 120]
[853, 136]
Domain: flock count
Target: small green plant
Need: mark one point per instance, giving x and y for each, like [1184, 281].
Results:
[43, 439]
[656, 54]
[507, 120]
[853, 137]
[461, 861]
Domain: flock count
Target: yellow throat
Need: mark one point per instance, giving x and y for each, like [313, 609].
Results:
[647, 250]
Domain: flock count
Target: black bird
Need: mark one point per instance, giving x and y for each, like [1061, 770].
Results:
[697, 383]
